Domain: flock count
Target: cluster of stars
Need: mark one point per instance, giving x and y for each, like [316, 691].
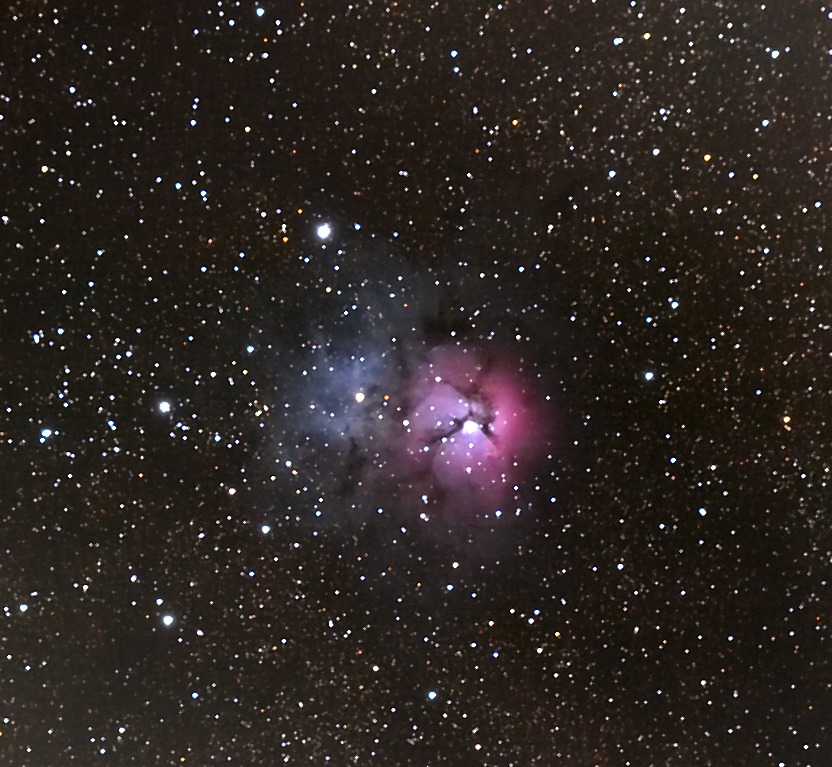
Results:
[457, 395]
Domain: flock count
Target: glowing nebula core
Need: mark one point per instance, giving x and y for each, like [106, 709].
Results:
[470, 427]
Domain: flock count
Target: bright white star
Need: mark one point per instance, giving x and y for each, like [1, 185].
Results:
[470, 426]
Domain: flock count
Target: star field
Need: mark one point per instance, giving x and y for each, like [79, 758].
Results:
[415, 383]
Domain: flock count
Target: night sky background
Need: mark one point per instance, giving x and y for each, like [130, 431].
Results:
[411, 383]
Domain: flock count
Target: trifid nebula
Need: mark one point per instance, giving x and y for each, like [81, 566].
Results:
[416, 383]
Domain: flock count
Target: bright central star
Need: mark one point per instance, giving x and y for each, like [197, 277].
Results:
[470, 426]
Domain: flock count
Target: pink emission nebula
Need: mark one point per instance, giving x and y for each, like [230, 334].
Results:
[472, 427]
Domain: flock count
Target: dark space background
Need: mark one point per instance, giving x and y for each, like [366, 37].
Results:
[220, 221]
